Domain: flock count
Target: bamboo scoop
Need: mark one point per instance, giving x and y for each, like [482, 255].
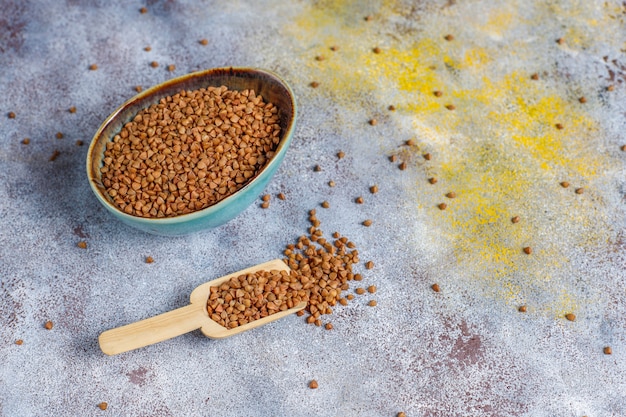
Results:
[185, 319]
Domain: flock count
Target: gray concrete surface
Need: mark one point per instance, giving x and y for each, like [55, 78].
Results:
[465, 351]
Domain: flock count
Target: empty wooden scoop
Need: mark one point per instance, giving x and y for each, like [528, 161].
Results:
[185, 319]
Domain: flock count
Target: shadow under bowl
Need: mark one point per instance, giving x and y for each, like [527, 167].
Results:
[267, 84]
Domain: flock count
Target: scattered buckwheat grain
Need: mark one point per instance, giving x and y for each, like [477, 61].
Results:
[323, 268]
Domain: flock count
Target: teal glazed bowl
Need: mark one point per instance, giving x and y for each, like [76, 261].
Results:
[269, 85]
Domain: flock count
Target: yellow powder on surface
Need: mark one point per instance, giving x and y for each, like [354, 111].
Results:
[499, 150]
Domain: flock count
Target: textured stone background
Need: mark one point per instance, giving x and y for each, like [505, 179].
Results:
[465, 351]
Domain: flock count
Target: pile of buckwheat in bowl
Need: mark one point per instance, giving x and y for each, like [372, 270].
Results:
[194, 152]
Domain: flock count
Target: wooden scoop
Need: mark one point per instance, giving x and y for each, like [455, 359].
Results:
[185, 319]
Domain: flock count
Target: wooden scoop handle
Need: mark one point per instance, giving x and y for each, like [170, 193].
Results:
[152, 330]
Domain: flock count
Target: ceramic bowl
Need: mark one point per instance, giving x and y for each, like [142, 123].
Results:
[269, 85]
